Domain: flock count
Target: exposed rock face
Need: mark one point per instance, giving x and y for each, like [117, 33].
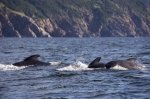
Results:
[91, 23]
[17, 25]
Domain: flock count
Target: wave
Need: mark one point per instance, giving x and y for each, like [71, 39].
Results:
[141, 67]
[6, 67]
[138, 67]
[77, 66]
[55, 63]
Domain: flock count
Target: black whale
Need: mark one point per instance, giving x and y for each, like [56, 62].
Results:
[31, 60]
[130, 63]
[96, 63]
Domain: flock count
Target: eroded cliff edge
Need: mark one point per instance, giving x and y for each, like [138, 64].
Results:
[66, 18]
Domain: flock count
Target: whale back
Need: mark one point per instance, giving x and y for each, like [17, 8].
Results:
[32, 58]
[132, 60]
[111, 64]
[129, 63]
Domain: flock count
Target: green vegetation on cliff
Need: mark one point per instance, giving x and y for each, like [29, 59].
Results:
[96, 16]
[47, 8]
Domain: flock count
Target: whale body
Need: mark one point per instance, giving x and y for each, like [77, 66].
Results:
[31, 60]
[96, 63]
[129, 64]
[126, 64]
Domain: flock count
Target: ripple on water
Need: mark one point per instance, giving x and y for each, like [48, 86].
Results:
[77, 81]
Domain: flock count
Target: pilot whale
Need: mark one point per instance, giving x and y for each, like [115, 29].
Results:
[129, 64]
[96, 63]
[31, 60]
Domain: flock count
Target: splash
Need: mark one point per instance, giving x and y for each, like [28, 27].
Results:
[141, 67]
[118, 67]
[55, 63]
[6, 67]
[77, 66]
[137, 67]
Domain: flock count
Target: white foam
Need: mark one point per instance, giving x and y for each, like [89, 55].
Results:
[141, 67]
[5, 67]
[118, 67]
[78, 66]
[55, 63]
[138, 67]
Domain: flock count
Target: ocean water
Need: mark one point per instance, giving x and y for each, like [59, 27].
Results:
[68, 77]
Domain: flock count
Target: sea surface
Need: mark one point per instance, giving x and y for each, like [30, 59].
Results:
[68, 76]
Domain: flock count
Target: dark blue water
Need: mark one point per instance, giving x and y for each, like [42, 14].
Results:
[50, 82]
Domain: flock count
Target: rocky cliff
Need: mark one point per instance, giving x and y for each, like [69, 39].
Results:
[74, 18]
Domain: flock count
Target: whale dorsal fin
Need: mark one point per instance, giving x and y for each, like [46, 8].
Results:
[96, 61]
[32, 57]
